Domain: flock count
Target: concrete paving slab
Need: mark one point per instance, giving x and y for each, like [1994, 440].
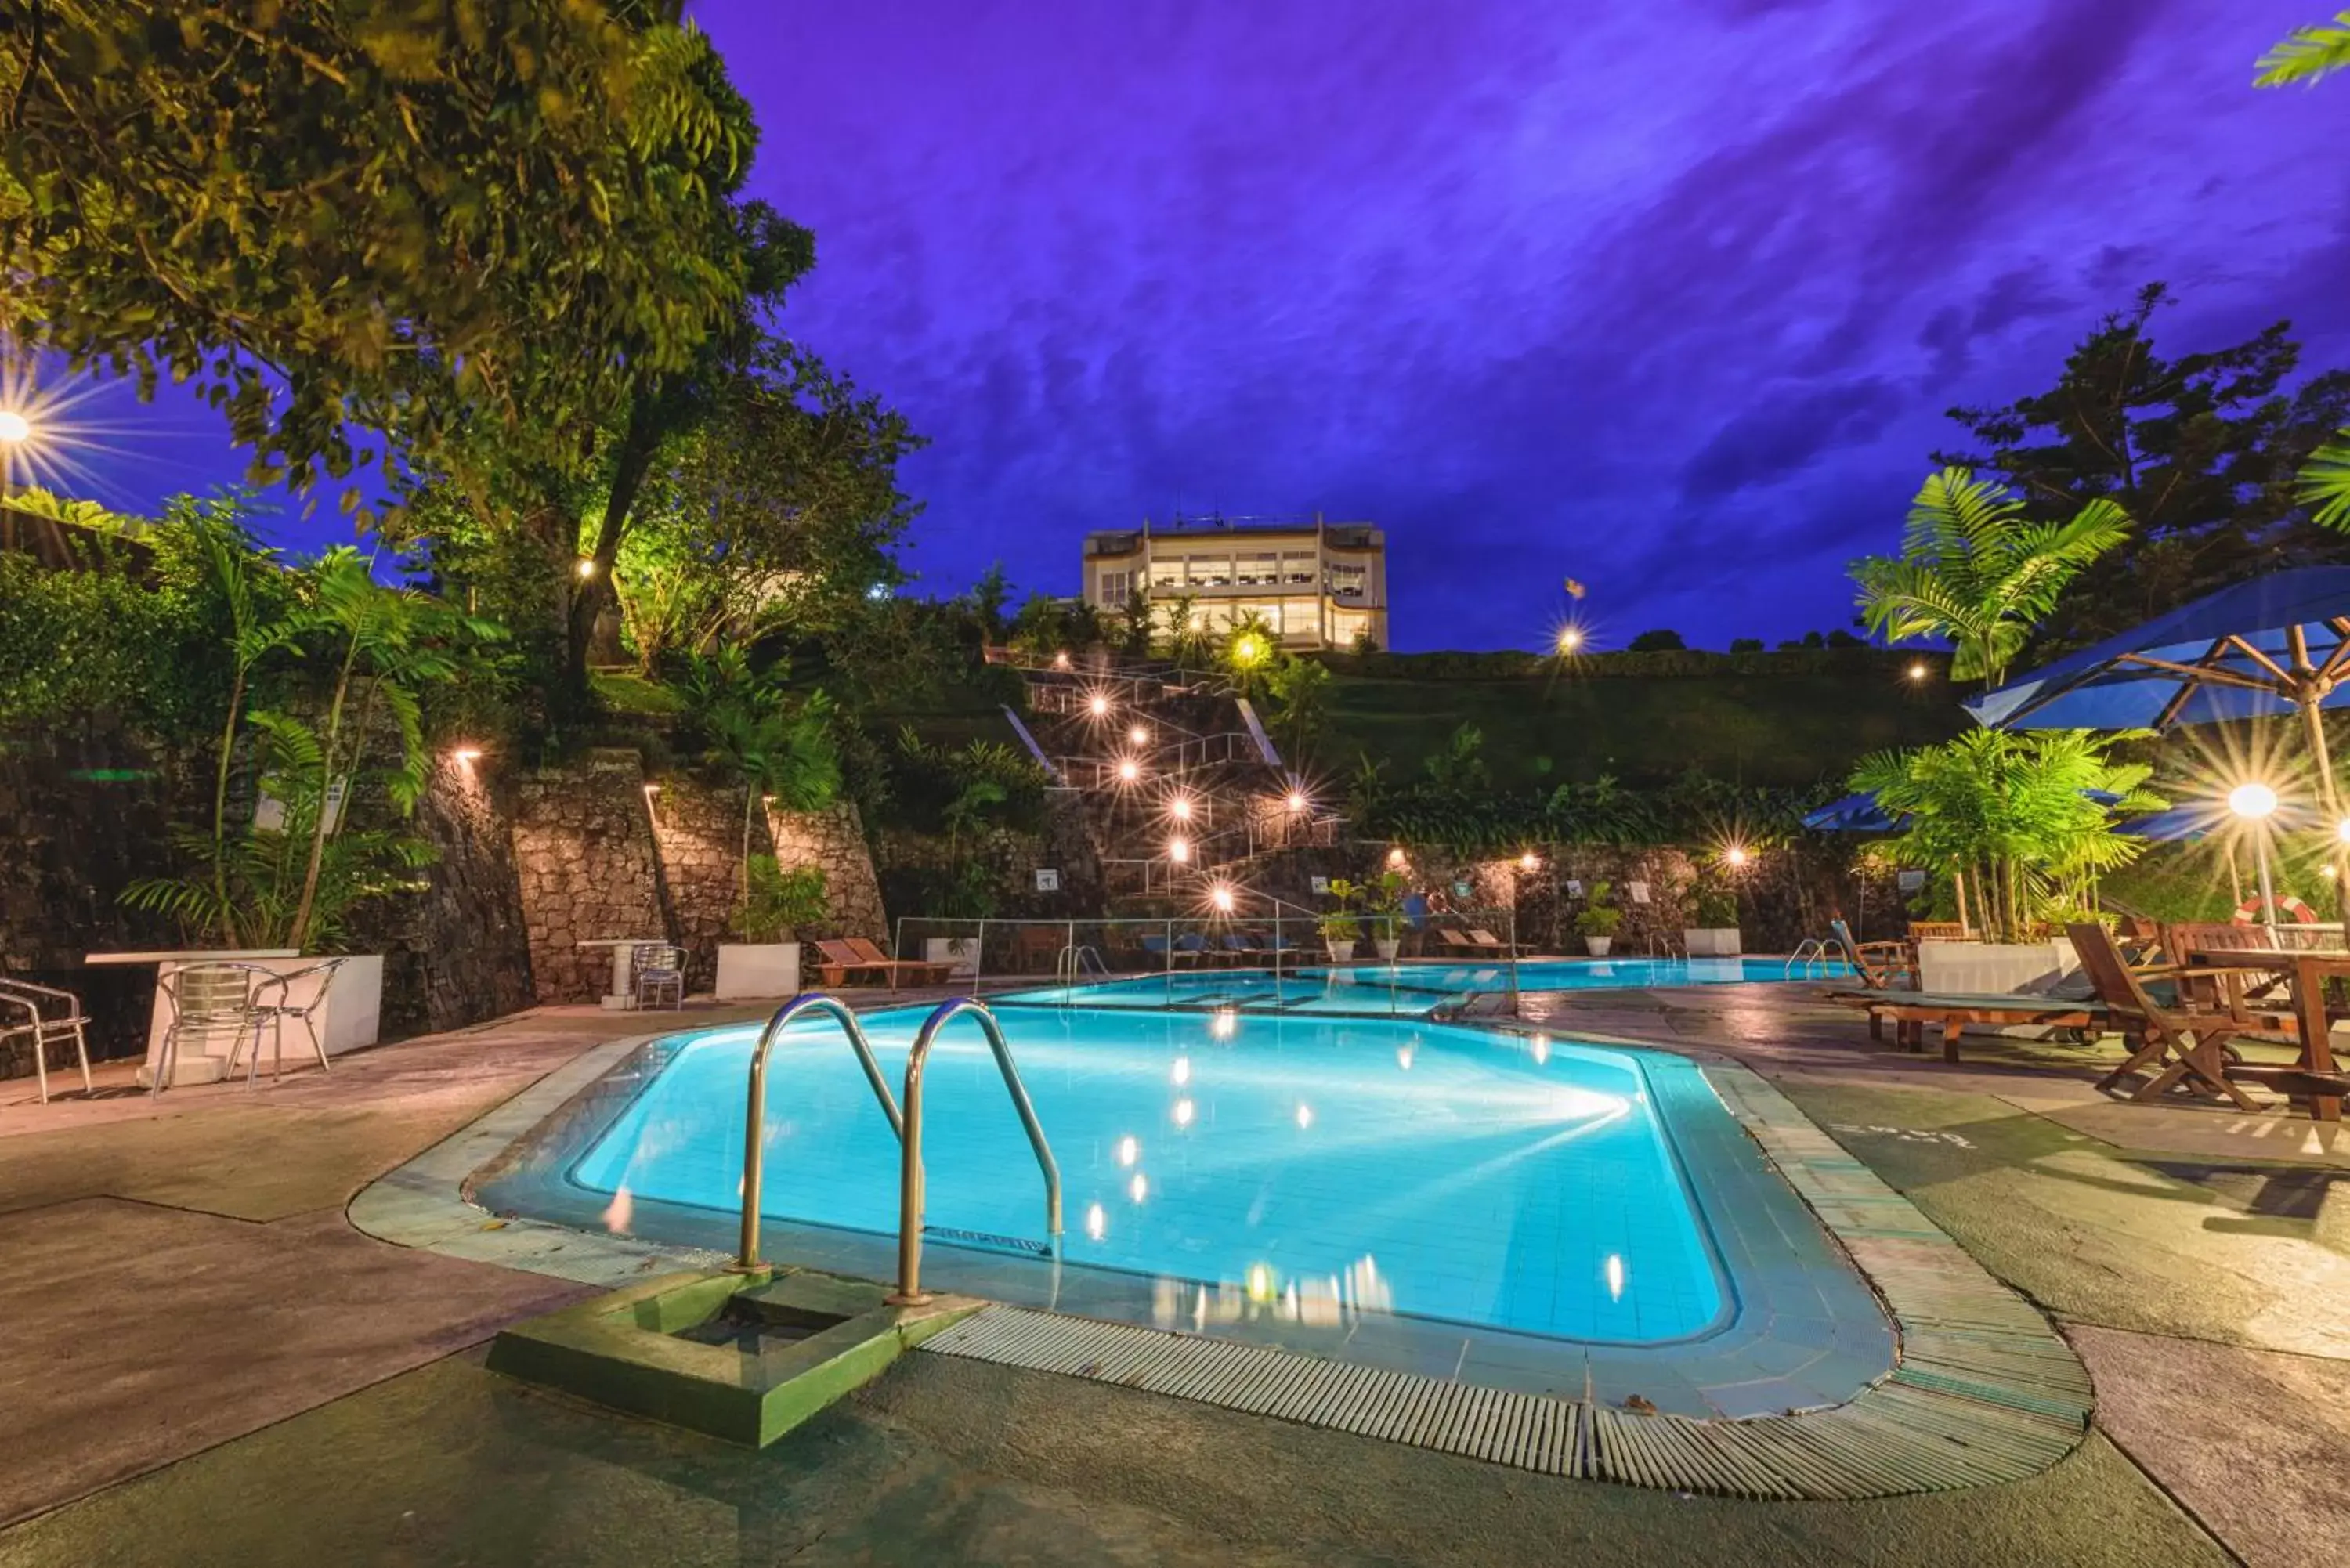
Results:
[2252, 1442]
[136, 1333]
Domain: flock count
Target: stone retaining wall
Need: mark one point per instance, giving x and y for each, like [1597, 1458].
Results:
[586, 859]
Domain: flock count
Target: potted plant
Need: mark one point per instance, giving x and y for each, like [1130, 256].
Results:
[1339, 928]
[1385, 901]
[1600, 919]
[1713, 909]
[776, 903]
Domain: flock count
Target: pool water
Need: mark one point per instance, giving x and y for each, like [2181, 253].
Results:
[1408, 989]
[1326, 1165]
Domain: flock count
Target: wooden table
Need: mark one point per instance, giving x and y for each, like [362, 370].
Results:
[2307, 972]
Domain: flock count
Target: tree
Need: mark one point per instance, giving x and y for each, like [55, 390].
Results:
[1661, 641]
[781, 752]
[2200, 450]
[1973, 568]
[435, 219]
[2308, 55]
[1299, 689]
[988, 597]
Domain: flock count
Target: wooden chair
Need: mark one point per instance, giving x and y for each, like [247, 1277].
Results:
[2253, 1001]
[2185, 1043]
[1940, 931]
[1882, 966]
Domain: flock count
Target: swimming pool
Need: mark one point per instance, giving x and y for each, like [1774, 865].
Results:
[1405, 990]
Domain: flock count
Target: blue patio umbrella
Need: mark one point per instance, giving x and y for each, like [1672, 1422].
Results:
[1854, 813]
[2277, 645]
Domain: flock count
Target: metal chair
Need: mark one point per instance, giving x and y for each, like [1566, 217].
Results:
[655, 968]
[276, 1013]
[39, 1030]
[203, 998]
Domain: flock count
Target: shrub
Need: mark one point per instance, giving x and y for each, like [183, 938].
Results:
[1600, 916]
[1661, 641]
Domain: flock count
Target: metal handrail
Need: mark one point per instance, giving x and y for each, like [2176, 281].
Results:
[755, 1146]
[910, 1173]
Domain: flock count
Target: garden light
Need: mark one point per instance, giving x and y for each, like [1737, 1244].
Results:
[15, 427]
[1248, 650]
[1061, 659]
[1297, 801]
[1529, 861]
[1919, 672]
[1179, 850]
[1221, 896]
[1397, 859]
[1129, 771]
[465, 756]
[587, 568]
[1138, 736]
[1179, 809]
[2254, 801]
[1734, 857]
[1098, 705]
[1570, 638]
[2341, 830]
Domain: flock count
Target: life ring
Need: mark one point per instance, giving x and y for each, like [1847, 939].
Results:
[2247, 913]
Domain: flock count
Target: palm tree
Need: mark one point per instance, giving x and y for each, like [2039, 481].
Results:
[2308, 55]
[1975, 569]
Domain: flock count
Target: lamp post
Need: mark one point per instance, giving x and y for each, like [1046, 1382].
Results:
[2256, 803]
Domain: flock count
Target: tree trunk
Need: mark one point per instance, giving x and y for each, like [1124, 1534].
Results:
[631, 466]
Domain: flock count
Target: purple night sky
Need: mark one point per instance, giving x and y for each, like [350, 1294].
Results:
[1667, 297]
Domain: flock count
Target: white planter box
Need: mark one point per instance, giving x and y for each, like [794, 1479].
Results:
[962, 953]
[1387, 946]
[352, 1017]
[757, 970]
[1598, 946]
[1341, 953]
[1987, 968]
[1710, 941]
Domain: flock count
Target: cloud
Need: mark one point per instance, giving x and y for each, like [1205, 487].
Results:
[1783, 433]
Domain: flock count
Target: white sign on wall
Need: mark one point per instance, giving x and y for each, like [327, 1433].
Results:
[1640, 891]
[1574, 887]
[1911, 881]
[1048, 879]
[1322, 884]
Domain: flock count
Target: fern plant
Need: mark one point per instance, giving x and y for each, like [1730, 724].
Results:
[2307, 54]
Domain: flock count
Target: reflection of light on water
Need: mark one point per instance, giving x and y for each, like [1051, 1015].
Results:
[1304, 1115]
[1542, 1049]
[617, 1214]
[1097, 1222]
[1183, 1113]
[1615, 1278]
[1183, 1072]
[1259, 1283]
[1139, 1188]
[1127, 1149]
[1403, 1057]
[1572, 1103]
[1224, 1024]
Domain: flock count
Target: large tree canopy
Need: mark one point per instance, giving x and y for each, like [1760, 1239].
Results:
[2200, 451]
[409, 215]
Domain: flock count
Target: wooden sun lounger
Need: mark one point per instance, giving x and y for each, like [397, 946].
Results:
[1453, 942]
[924, 971]
[1910, 1012]
[853, 956]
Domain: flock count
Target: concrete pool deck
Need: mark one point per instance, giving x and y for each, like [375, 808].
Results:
[188, 1305]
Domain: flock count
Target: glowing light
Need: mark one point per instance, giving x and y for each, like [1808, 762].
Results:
[1139, 1188]
[1569, 638]
[587, 568]
[878, 592]
[2327, 872]
[1397, 858]
[652, 789]
[1542, 1049]
[1061, 659]
[1259, 1283]
[2341, 830]
[1185, 1111]
[1529, 861]
[1403, 1057]
[15, 427]
[1182, 1071]
[2254, 801]
[620, 1212]
[1919, 672]
[1098, 705]
[1129, 1150]
[1296, 799]
[1615, 1278]
[1129, 771]
[1138, 736]
[1304, 1115]
[1223, 1023]
[1179, 850]
[1735, 855]
[1221, 896]
[1249, 649]
[465, 756]
[1180, 810]
[1096, 1221]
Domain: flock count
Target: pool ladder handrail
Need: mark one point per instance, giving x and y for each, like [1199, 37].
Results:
[754, 1143]
[1821, 950]
[1069, 965]
[910, 1290]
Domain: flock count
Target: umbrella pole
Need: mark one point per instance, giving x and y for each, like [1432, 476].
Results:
[2235, 878]
[2315, 723]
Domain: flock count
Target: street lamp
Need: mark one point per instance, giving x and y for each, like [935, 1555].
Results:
[1098, 705]
[2256, 803]
[1570, 638]
[1296, 799]
[15, 427]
